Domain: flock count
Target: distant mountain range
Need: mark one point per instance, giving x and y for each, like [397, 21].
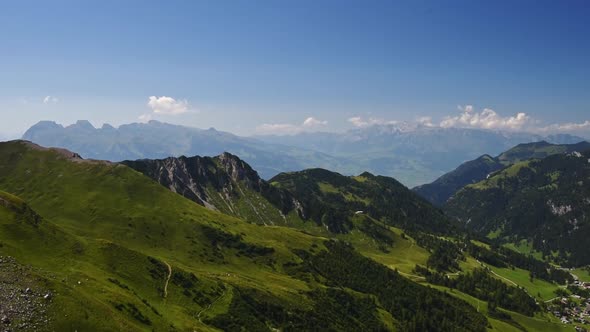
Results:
[412, 154]
[157, 140]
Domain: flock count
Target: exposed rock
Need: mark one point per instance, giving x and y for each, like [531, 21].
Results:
[217, 183]
[22, 307]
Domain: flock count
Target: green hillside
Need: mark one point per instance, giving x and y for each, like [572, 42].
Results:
[149, 259]
[439, 191]
[333, 199]
[538, 150]
[317, 206]
[544, 202]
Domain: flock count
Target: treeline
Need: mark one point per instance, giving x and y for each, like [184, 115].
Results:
[445, 254]
[381, 198]
[416, 307]
[382, 235]
[482, 285]
[333, 310]
[503, 257]
[583, 292]
[223, 239]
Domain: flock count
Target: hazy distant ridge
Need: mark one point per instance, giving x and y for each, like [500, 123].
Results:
[414, 155]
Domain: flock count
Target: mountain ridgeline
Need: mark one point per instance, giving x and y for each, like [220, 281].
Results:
[224, 183]
[159, 140]
[439, 191]
[413, 154]
[329, 199]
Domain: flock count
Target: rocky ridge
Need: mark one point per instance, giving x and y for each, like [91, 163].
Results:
[224, 183]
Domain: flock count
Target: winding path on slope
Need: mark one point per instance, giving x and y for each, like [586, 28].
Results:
[167, 279]
[411, 275]
[497, 275]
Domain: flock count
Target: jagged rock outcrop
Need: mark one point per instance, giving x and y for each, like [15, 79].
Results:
[225, 183]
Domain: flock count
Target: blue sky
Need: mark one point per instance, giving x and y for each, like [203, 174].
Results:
[254, 67]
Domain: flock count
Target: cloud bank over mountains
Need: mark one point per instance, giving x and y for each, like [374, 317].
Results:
[309, 124]
[486, 119]
[468, 117]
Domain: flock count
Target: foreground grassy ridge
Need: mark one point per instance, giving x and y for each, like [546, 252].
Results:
[90, 209]
[132, 250]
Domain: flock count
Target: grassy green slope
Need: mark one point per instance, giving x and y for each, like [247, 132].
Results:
[538, 150]
[100, 206]
[439, 191]
[332, 200]
[124, 253]
[543, 202]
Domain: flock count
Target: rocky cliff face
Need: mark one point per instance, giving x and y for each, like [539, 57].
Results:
[224, 183]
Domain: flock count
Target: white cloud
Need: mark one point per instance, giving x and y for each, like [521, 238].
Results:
[50, 100]
[313, 122]
[145, 117]
[278, 129]
[566, 127]
[358, 121]
[290, 129]
[486, 119]
[466, 108]
[167, 105]
[425, 121]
